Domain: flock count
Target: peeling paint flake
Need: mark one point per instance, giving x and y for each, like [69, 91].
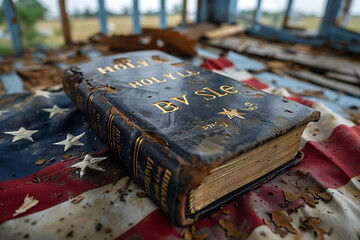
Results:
[311, 222]
[28, 203]
[77, 199]
[319, 192]
[190, 233]
[40, 161]
[231, 230]
[282, 219]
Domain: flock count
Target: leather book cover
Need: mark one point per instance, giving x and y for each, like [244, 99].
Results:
[172, 122]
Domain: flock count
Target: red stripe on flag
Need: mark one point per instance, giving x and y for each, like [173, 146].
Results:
[254, 82]
[217, 64]
[335, 161]
[222, 63]
[59, 188]
[154, 226]
[301, 100]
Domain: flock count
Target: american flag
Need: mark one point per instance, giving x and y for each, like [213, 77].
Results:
[59, 181]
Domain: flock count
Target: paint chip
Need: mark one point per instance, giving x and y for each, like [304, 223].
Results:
[311, 222]
[77, 199]
[28, 203]
[230, 229]
[282, 219]
[40, 161]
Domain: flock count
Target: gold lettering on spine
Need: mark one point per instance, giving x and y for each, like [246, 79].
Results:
[158, 175]
[251, 106]
[78, 98]
[123, 65]
[135, 157]
[94, 116]
[98, 124]
[113, 136]
[160, 170]
[203, 93]
[213, 91]
[211, 125]
[148, 169]
[120, 66]
[227, 89]
[105, 70]
[143, 62]
[109, 132]
[91, 112]
[166, 106]
[164, 190]
[157, 80]
[190, 73]
[214, 94]
[184, 100]
[117, 139]
[135, 84]
[132, 65]
[169, 76]
[146, 81]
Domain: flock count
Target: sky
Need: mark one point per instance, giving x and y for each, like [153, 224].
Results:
[305, 6]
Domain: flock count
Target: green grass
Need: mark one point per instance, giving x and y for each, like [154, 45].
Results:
[5, 47]
[354, 24]
[310, 23]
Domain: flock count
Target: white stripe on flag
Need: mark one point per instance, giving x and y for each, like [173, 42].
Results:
[277, 91]
[82, 218]
[263, 233]
[235, 74]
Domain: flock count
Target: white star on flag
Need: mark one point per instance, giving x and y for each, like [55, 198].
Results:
[89, 162]
[42, 93]
[22, 133]
[55, 110]
[70, 141]
[3, 111]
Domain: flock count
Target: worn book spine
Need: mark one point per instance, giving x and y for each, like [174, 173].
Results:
[151, 164]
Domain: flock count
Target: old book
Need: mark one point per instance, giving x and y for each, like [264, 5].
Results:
[191, 138]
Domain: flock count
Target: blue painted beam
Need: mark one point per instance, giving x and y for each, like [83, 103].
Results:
[216, 11]
[102, 18]
[9, 11]
[162, 14]
[232, 11]
[257, 16]
[65, 22]
[344, 16]
[184, 13]
[287, 13]
[331, 34]
[283, 35]
[329, 18]
[136, 17]
[202, 9]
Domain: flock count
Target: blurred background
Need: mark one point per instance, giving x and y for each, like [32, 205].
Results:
[40, 23]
